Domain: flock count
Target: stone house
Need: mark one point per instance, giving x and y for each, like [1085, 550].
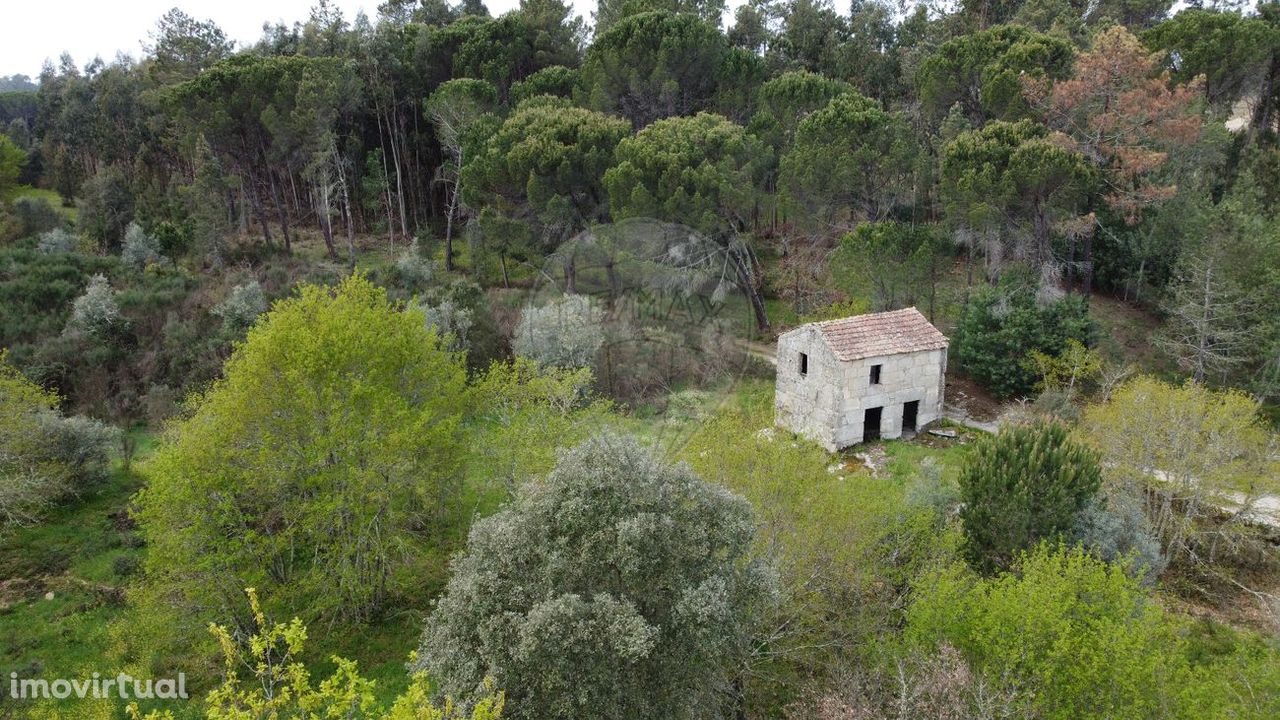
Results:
[842, 382]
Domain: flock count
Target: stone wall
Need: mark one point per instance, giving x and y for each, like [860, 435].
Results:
[828, 405]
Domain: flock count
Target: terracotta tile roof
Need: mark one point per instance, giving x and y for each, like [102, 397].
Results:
[884, 333]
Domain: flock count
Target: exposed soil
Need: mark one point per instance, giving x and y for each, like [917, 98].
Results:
[966, 395]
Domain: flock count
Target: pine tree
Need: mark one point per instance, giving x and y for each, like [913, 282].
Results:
[1027, 484]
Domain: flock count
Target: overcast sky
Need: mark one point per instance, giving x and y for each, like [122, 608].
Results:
[33, 30]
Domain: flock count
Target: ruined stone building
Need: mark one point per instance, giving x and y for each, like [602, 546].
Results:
[843, 382]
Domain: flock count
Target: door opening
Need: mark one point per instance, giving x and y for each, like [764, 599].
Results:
[909, 411]
[871, 424]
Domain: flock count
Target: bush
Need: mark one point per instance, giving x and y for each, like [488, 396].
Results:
[413, 271]
[126, 566]
[1001, 326]
[96, 312]
[37, 290]
[451, 322]
[241, 308]
[280, 684]
[1115, 529]
[81, 445]
[140, 249]
[566, 332]
[1027, 484]
[35, 215]
[44, 457]
[617, 582]
[57, 241]
[1068, 635]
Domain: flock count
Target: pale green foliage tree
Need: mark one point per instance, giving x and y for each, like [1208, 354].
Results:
[1068, 635]
[318, 469]
[57, 240]
[43, 455]
[96, 312]
[1186, 453]
[140, 248]
[1076, 365]
[845, 549]
[618, 587]
[565, 332]
[523, 412]
[450, 321]
[280, 684]
[241, 307]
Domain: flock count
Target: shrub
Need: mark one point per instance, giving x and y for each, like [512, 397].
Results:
[1115, 529]
[35, 215]
[414, 272]
[82, 446]
[566, 332]
[1070, 636]
[617, 582]
[140, 249]
[1026, 484]
[96, 312]
[1000, 328]
[280, 684]
[57, 241]
[44, 457]
[126, 566]
[451, 322]
[241, 307]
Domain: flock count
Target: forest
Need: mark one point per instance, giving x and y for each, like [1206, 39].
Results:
[421, 365]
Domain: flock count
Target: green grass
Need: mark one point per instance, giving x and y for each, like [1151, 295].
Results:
[73, 556]
[71, 213]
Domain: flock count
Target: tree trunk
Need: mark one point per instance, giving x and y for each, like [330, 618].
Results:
[752, 292]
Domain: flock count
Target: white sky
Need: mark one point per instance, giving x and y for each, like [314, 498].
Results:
[33, 30]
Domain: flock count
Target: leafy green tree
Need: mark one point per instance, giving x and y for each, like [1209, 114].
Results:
[1001, 325]
[1015, 181]
[545, 166]
[319, 469]
[652, 65]
[106, 207]
[1232, 51]
[618, 587]
[12, 159]
[984, 72]
[902, 261]
[182, 47]
[1026, 484]
[851, 157]
[1185, 453]
[1068, 635]
[556, 80]
[454, 108]
[702, 171]
[609, 12]
[785, 101]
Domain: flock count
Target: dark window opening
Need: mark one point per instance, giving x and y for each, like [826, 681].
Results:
[871, 425]
[804, 364]
[875, 374]
[909, 412]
